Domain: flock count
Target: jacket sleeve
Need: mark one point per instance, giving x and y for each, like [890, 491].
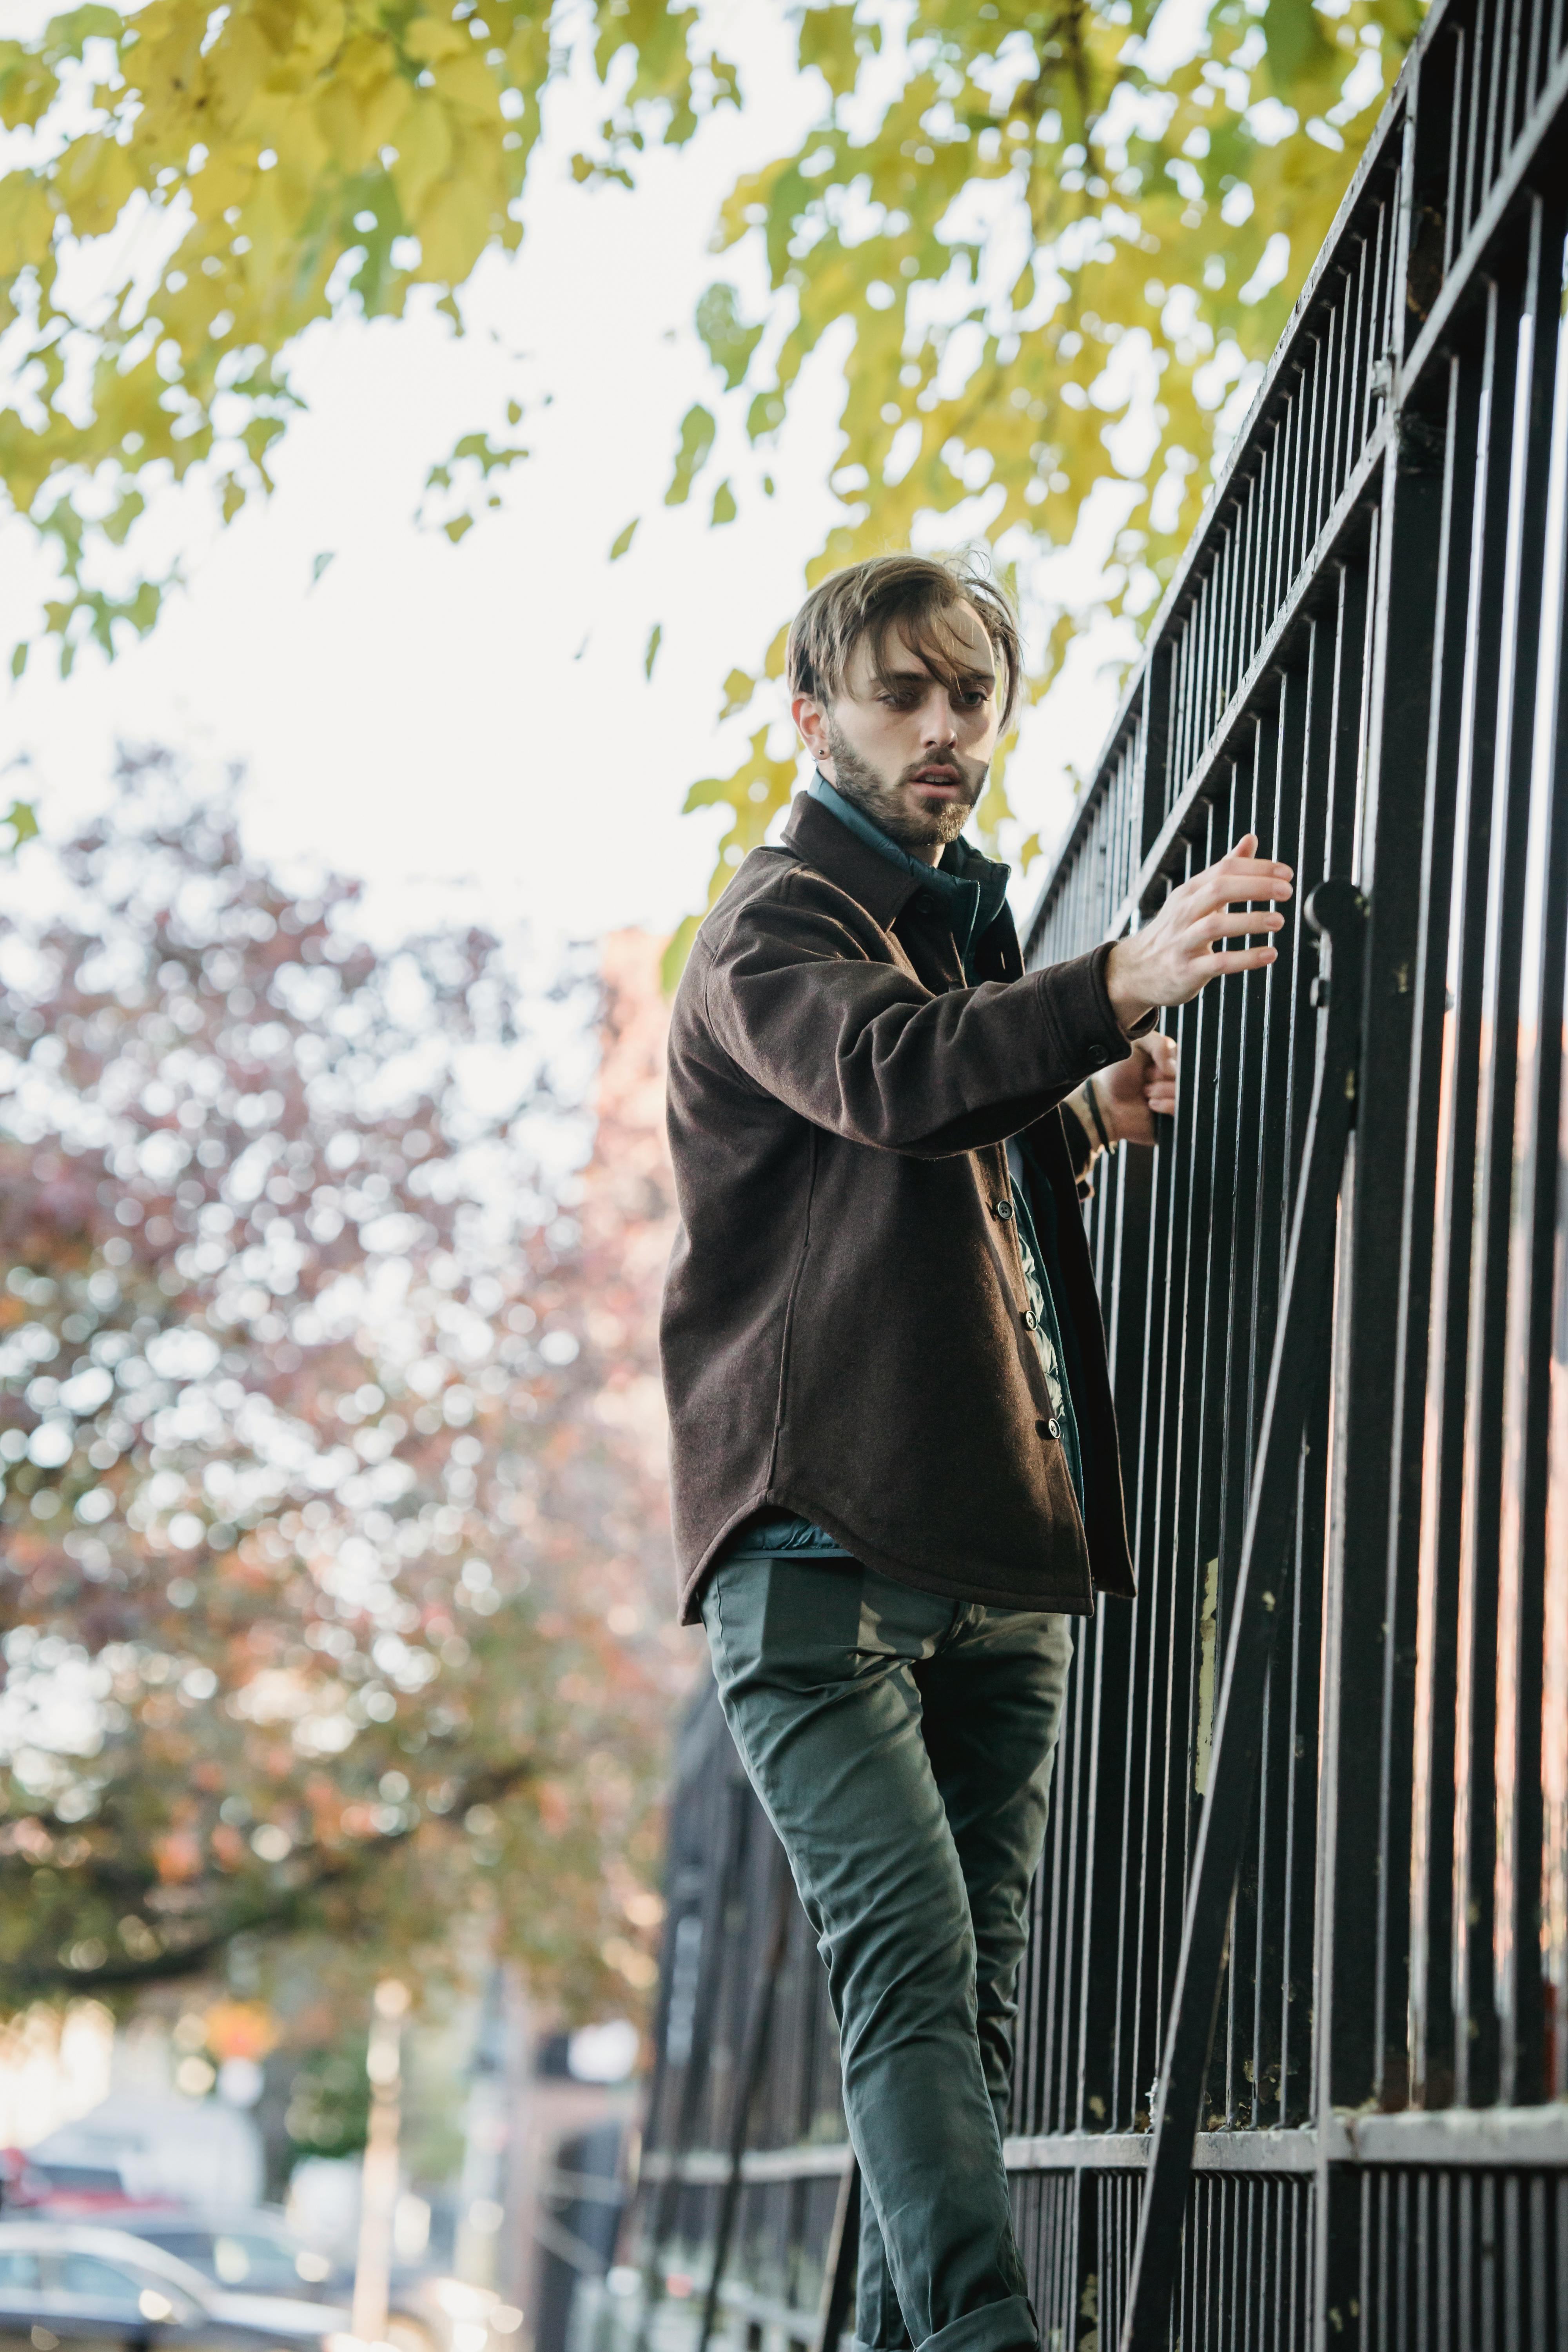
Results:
[861, 1047]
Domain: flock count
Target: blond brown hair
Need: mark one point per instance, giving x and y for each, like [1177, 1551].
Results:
[913, 593]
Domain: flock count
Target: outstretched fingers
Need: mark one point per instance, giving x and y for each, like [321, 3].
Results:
[1212, 924]
[1218, 885]
[1185, 945]
[1224, 959]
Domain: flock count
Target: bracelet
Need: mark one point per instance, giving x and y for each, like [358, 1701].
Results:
[1094, 1112]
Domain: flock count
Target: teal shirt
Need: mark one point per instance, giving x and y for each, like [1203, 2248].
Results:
[971, 892]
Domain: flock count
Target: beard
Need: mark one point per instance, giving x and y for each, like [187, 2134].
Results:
[886, 804]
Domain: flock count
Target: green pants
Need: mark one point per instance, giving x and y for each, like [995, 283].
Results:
[902, 1746]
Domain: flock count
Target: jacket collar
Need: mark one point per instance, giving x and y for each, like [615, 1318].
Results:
[815, 834]
[972, 887]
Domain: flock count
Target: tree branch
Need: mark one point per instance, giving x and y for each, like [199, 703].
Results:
[281, 1910]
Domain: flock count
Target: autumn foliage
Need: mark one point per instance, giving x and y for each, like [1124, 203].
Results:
[335, 1574]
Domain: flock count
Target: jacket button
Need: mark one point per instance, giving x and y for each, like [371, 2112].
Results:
[1003, 1208]
[1028, 1318]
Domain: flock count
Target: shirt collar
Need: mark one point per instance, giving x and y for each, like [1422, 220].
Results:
[971, 889]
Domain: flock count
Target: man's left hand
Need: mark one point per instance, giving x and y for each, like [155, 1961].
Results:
[1133, 1093]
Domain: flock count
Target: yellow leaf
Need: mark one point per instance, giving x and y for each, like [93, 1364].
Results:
[95, 178]
[27, 88]
[431, 37]
[697, 431]
[452, 229]
[227, 179]
[424, 152]
[26, 221]
[359, 113]
[468, 83]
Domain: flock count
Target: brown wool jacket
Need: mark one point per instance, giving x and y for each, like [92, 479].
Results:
[843, 1330]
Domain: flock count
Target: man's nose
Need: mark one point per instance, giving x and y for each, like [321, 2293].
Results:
[937, 725]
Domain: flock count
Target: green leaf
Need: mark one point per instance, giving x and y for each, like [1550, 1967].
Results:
[729, 345]
[697, 430]
[739, 689]
[724, 507]
[765, 415]
[482, 451]
[27, 88]
[320, 565]
[1297, 41]
[20, 822]
[459, 528]
[67, 35]
[117, 524]
[624, 539]
[832, 42]
[673, 962]
[655, 639]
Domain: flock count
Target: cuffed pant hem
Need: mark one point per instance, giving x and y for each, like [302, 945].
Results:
[1008, 2326]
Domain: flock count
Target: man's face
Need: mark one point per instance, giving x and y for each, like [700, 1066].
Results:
[908, 748]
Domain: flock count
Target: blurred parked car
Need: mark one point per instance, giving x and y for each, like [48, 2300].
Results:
[65, 2286]
[256, 2252]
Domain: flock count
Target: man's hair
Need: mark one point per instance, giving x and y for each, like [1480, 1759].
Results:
[913, 594]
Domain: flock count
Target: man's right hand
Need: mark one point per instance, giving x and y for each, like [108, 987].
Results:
[1179, 949]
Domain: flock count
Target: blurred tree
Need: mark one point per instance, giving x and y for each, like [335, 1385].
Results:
[1052, 241]
[329, 2104]
[328, 1556]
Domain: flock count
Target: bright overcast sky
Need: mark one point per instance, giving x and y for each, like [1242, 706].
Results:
[468, 728]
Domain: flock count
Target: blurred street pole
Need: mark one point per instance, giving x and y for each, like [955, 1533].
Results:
[481, 2208]
[515, 2255]
[378, 2193]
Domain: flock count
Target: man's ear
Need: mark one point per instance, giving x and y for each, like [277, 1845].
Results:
[811, 723]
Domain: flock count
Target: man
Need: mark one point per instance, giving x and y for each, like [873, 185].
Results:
[895, 1463]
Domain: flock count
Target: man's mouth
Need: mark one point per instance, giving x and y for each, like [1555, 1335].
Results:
[938, 780]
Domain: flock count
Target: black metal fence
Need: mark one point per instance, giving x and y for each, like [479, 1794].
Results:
[1362, 659]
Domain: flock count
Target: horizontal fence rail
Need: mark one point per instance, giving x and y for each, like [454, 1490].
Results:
[1362, 658]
